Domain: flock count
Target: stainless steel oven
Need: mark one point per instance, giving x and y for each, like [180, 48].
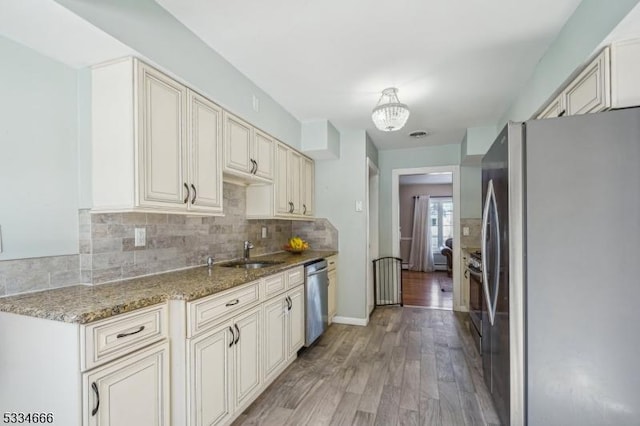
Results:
[476, 298]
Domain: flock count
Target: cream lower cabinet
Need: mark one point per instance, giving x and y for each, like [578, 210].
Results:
[112, 372]
[332, 265]
[234, 344]
[132, 391]
[224, 368]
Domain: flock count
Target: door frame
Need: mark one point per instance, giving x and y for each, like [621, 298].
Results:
[459, 300]
[372, 230]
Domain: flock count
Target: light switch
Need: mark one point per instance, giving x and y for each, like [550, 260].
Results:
[140, 237]
[465, 231]
[256, 103]
[358, 206]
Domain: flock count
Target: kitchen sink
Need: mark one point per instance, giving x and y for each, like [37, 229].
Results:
[250, 264]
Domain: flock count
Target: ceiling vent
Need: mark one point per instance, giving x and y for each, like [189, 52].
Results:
[418, 134]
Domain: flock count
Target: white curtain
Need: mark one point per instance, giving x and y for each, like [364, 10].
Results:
[421, 254]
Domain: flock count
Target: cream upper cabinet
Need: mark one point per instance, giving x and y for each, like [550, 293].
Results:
[294, 162]
[155, 144]
[308, 186]
[162, 148]
[263, 155]
[292, 192]
[131, 391]
[555, 109]
[590, 91]
[248, 152]
[205, 149]
[238, 137]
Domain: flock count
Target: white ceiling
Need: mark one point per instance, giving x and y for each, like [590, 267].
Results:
[426, 179]
[456, 63]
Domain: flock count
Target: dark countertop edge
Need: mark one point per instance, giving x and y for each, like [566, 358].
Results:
[145, 301]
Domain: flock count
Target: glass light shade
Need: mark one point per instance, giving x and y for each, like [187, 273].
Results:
[391, 115]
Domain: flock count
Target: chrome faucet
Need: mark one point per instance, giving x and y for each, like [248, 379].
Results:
[248, 245]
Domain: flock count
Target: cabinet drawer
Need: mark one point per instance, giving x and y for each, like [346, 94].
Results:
[114, 337]
[294, 276]
[206, 311]
[332, 262]
[273, 284]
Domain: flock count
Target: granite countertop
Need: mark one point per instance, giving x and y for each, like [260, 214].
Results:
[82, 304]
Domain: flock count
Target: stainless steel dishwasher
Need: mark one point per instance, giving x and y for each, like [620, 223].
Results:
[316, 285]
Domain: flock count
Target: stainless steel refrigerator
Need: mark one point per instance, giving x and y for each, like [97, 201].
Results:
[561, 249]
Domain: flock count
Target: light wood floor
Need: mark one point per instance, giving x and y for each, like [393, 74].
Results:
[423, 289]
[409, 366]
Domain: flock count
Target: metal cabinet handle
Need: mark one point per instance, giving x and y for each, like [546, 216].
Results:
[466, 273]
[95, 390]
[254, 166]
[121, 335]
[233, 302]
[289, 302]
[563, 112]
[291, 207]
[195, 194]
[304, 209]
[238, 337]
[233, 336]
[186, 198]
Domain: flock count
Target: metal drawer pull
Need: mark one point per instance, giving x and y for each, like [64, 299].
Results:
[233, 337]
[121, 335]
[237, 338]
[186, 198]
[289, 302]
[233, 302]
[95, 390]
[195, 194]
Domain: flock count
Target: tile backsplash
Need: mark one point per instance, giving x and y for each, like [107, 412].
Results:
[107, 251]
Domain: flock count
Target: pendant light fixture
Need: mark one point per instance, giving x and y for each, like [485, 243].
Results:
[390, 115]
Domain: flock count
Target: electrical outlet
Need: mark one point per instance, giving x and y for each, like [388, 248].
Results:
[465, 231]
[264, 232]
[140, 237]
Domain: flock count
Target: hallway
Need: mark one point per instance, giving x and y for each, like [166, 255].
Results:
[424, 289]
[409, 366]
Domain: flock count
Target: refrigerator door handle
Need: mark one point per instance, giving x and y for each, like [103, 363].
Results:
[490, 201]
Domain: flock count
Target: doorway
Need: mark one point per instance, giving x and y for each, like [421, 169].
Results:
[372, 191]
[425, 220]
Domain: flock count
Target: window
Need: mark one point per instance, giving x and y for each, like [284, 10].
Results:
[441, 217]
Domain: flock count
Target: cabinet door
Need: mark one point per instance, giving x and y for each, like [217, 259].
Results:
[205, 148]
[554, 109]
[275, 332]
[238, 138]
[590, 91]
[293, 185]
[247, 372]
[282, 206]
[133, 391]
[161, 140]
[331, 302]
[296, 320]
[210, 383]
[263, 155]
[308, 186]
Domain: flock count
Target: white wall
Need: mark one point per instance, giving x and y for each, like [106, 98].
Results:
[470, 192]
[339, 184]
[38, 154]
[442, 155]
[149, 29]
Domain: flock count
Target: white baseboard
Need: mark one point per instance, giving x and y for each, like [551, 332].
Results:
[351, 321]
